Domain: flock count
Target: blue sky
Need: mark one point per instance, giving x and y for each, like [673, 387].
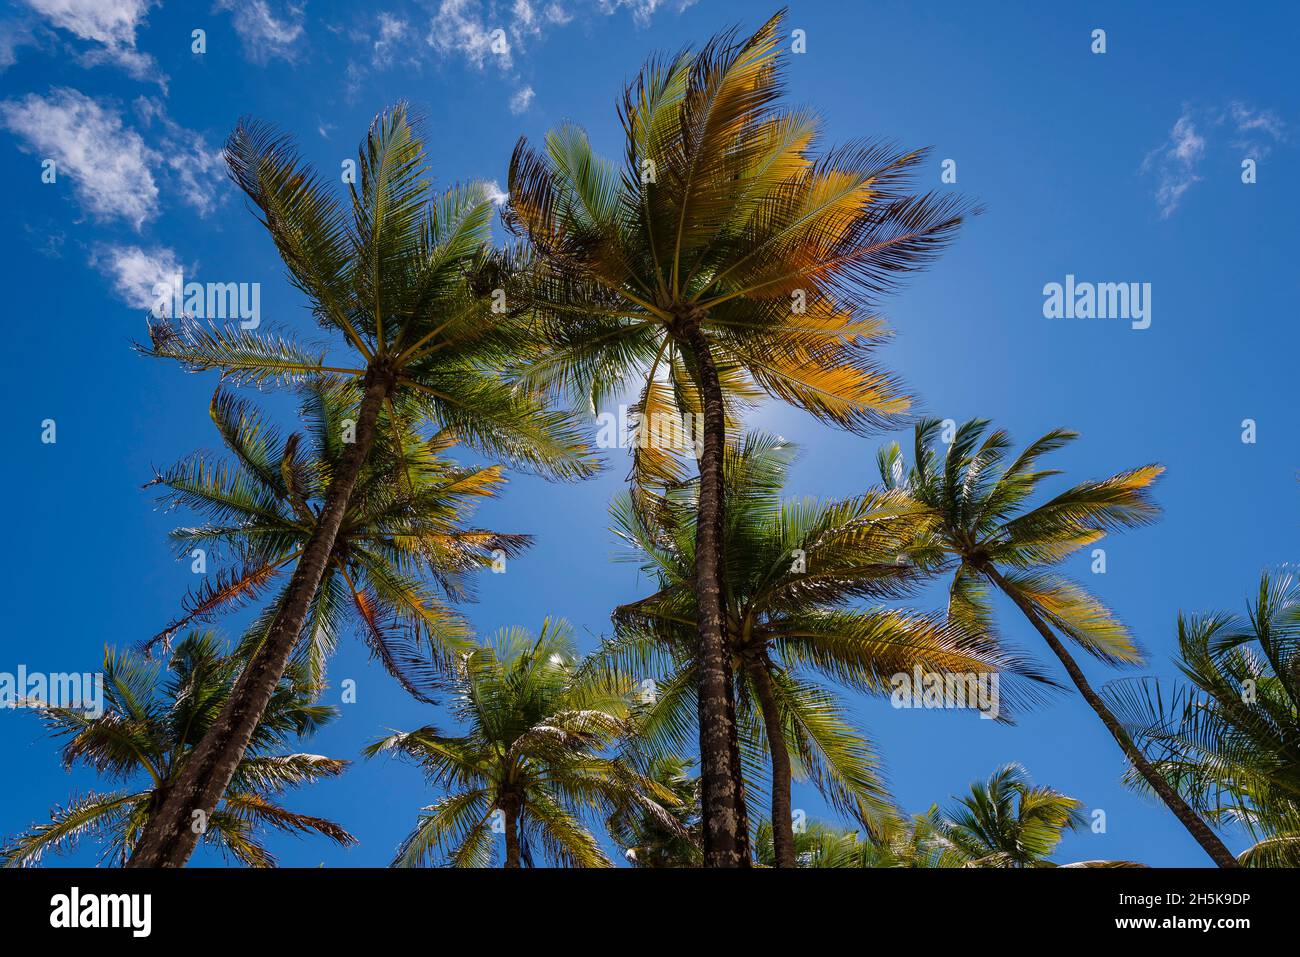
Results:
[1117, 167]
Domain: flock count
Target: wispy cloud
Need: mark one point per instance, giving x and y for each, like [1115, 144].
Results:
[197, 169]
[108, 162]
[1175, 164]
[111, 25]
[522, 99]
[114, 171]
[136, 271]
[461, 27]
[265, 33]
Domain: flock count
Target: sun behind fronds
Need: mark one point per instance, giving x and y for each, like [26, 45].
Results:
[727, 213]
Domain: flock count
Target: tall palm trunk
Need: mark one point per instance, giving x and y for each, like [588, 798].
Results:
[722, 841]
[1199, 830]
[737, 768]
[510, 810]
[782, 813]
[171, 834]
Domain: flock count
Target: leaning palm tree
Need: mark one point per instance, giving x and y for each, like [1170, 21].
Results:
[985, 534]
[728, 258]
[1230, 740]
[794, 572]
[148, 729]
[404, 528]
[531, 762]
[408, 282]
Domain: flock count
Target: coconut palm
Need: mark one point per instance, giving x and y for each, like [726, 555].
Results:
[1007, 821]
[404, 528]
[729, 257]
[985, 534]
[531, 761]
[641, 832]
[151, 722]
[1228, 740]
[406, 280]
[794, 571]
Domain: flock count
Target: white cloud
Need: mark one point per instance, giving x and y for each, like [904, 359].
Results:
[109, 163]
[198, 170]
[13, 35]
[496, 193]
[459, 26]
[264, 34]
[135, 271]
[642, 10]
[522, 99]
[111, 24]
[391, 30]
[1175, 162]
[1257, 131]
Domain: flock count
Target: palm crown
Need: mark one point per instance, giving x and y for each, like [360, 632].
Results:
[1227, 740]
[531, 761]
[151, 721]
[725, 215]
[406, 278]
[403, 549]
[983, 523]
[984, 533]
[795, 571]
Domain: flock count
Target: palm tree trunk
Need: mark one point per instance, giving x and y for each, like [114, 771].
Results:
[722, 841]
[782, 813]
[737, 769]
[1199, 830]
[169, 838]
[510, 809]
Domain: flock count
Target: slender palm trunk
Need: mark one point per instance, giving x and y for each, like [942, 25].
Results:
[510, 809]
[171, 834]
[1199, 830]
[722, 840]
[782, 816]
[737, 768]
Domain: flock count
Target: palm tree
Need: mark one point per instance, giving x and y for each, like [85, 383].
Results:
[408, 281]
[1007, 821]
[727, 259]
[641, 832]
[793, 571]
[148, 730]
[1228, 741]
[530, 763]
[985, 534]
[404, 526]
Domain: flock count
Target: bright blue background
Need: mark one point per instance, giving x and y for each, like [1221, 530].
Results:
[1048, 135]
